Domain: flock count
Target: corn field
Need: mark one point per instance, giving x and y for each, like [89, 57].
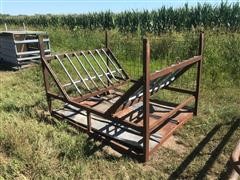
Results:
[164, 19]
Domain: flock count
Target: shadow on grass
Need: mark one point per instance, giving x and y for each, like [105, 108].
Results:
[90, 150]
[214, 155]
[90, 146]
[7, 66]
[228, 171]
[216, 152]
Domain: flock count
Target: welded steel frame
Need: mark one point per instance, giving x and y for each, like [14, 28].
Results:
[142, 154]
[10, 53]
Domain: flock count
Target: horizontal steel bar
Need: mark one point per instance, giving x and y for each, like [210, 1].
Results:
[31, 52]
[175, 67]
[86, 79]
[170, 113]
[30, 58]
[99, 91]
[29, 41]
[186, 91]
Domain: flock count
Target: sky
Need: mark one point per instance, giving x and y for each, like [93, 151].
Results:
[31, 7]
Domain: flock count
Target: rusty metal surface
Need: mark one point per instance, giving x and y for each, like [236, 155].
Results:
[130, 120]
[199, 70]
[146, 97]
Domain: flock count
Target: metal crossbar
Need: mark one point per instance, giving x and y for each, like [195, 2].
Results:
[113, 63]
[94, 70]
[165, 81]
[80, 76]
[156, 85]
[84, 68]
[69, 76]
[108, 68]
[105, 73]
[87, 79]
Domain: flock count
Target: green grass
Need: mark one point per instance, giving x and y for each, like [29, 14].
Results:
[34, 145]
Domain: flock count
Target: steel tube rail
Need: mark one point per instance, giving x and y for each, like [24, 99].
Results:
[30, 41]
[31, 52]
[69, 76]
[28, 58]
[80, 76]
[86, 79]
[105, 73]
[93, 69]
[174, 67]
[108, 68]
[106, 46]
[46, 73]
[84, 68]
[112, 63]
[170, 113]
[119, 65]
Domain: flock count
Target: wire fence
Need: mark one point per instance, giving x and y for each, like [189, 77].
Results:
[221, 53]
[221, 65]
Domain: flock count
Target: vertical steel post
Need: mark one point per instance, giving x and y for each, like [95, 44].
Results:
[24, 27]
[6, 29]
[106, 46]
[199, 69]
[45, 72]
[146, 96]
[89, 124]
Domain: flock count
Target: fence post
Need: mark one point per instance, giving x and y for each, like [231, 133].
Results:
[146, 96]
[6, 29]
[199, 69]
[45, 72]
[24, 27]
